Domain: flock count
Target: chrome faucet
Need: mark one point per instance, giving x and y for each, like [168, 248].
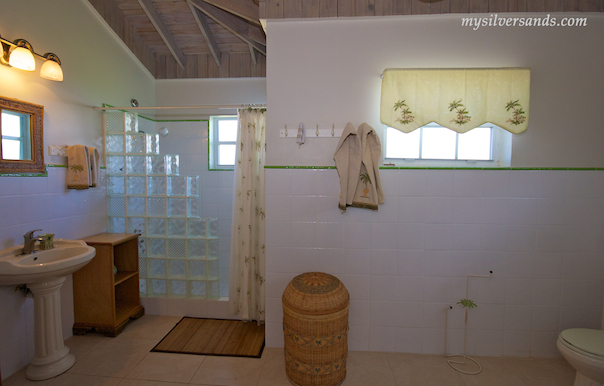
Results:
[29, 242]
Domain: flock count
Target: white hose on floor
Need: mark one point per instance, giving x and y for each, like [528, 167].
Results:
[465, 329]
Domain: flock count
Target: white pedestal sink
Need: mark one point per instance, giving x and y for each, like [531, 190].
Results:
[44, 273]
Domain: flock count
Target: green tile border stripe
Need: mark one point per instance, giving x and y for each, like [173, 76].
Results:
[434, 168]
[299, 167]
[45, 174]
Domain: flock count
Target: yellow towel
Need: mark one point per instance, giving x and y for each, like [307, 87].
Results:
[78, 167]
[94, 167]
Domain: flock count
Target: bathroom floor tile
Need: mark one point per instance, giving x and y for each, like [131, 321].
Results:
[368, 368]
[495, 372]
[157, 366]
[18, 379]
[228, 371]
[114, 358]
[546, 371]
[420, 370]
[67, 379]
[141, 382]
[150, 327]
[127, 361]
[273, 370]
[81, 345]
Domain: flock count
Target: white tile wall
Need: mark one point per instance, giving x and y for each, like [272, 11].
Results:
[539, 231]
[28, 203]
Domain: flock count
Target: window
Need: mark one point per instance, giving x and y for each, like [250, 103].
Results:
[223, 142]
[15, 135]
[434, 145]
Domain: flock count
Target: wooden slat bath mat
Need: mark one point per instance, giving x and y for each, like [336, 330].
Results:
[214, 337]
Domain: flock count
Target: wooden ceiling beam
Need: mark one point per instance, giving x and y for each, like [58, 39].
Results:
[254, 55]
[204, 27]
[251, 34]
[247, 9]
[163, 31]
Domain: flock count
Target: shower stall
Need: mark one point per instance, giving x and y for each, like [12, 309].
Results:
[160, 187]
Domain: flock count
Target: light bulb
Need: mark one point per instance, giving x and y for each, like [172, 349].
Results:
[51, 70]
[22, 58]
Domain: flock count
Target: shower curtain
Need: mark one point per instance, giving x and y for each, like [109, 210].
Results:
[246, 276]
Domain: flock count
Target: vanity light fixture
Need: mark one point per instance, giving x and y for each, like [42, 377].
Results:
[51, 69]
[20, 54]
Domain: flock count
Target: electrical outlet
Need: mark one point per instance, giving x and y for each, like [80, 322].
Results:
[57, 151]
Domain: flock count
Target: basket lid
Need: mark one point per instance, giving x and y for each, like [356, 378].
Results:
[316, 293]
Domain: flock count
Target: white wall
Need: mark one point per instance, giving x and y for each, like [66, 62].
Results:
[98, 69]
[328, 72]
[538, 230]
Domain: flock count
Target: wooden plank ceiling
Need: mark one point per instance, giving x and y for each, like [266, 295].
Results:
[224, 39]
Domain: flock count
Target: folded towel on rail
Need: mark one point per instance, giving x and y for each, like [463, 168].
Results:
[94, 166]
[78, 167]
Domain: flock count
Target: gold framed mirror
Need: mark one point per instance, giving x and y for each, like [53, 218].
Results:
[22, 147]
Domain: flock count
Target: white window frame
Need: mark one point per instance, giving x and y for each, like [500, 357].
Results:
[214, 143]
[501, 153]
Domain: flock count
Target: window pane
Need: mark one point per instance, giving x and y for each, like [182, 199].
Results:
[11, 124]
[402, 145]
[438, 143]
[11, 149]
[227, 130]
[226, 154]
[475, 144]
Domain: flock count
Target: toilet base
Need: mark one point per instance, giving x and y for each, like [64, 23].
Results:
[582, 380]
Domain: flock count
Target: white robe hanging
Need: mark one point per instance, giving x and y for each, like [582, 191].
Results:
[357, 161]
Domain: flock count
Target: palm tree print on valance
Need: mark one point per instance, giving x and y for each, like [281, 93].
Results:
[459, 99]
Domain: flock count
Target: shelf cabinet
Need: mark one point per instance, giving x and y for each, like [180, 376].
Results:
[105, 301]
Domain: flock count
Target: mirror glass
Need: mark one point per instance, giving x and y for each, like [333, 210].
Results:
[21, 149]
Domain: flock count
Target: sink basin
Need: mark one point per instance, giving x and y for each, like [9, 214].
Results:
[65, 258]
[44, 273]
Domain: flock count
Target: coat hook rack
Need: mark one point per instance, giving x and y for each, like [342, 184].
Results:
[332, 132]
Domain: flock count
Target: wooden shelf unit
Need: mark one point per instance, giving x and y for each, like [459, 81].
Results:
[104, 301]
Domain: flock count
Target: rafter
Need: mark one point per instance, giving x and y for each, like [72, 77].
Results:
[163, 31]
[250, 34]
[254, 55]
[247, 10]
[202, 22]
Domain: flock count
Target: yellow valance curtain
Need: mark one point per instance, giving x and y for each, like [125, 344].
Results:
[459, 99]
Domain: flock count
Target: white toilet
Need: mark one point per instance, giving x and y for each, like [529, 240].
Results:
[584, 349]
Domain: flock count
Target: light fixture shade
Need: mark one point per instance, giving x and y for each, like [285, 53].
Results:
[51, 70]
[22, 58]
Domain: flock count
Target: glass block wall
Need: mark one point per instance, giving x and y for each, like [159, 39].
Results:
[178, 249]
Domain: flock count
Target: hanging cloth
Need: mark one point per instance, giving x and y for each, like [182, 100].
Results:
[78, 167]
[459, 99]
[246, 276]
[357, 161]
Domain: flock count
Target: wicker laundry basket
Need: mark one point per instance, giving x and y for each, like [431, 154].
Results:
[315, 325]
